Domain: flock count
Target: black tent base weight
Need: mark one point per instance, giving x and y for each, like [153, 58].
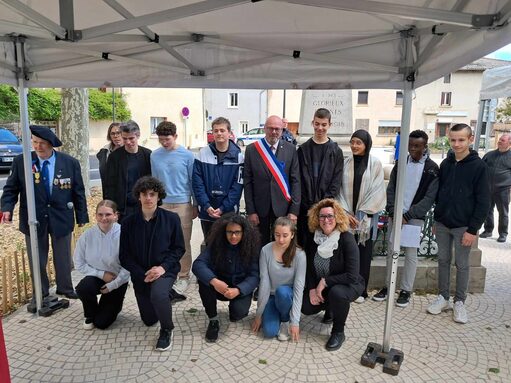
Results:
[391, 360]
[50, 305]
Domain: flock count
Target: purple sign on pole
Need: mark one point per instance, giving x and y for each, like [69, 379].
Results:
[185, 112]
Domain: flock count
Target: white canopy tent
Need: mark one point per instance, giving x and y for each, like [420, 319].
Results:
[496, 83]
[286, 44]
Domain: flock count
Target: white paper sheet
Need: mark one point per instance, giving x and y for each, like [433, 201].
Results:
[410, 236]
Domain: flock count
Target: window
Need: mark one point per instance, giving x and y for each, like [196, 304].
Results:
[243, 126]
[388, 127]
[233, 100]
[154, 123]
[399, 98]
[447, 79]
[363, 97]
[446, 99]
[362, 123]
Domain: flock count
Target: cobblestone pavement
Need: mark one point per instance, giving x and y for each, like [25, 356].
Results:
[57, 349]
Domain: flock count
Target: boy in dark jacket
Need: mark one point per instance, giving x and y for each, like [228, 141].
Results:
[151, 246]
[421, 187]
[462, 204]
[217, 176]
[321, 163]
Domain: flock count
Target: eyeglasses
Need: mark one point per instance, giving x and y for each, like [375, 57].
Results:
[236, 233]
[323, 217]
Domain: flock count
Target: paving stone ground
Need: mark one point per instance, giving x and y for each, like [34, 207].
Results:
[57, 349]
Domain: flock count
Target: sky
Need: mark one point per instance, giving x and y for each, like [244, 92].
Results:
[502, 54]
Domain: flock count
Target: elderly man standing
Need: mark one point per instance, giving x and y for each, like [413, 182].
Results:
[499, 171]
[125, 166]
[271, 179]
[59, 191]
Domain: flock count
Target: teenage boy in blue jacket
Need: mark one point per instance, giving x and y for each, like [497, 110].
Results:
[217, 176]
[462, 203]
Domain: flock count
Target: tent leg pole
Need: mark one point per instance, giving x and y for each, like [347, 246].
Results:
[479, 125]
[29, 185]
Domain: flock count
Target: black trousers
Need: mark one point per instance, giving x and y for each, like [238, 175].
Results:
[304, 236]
[337, 301]
[153, 302]
[61, 260]
[499, 198]
[104, 313]
[206, 228]
[366, 256]
[238, 307]
[265, 227]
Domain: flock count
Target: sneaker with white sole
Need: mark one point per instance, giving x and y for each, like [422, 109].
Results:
[460, 313]
[404, 298]
[381, 295]
[439, 304]
[180, 285]
[360, 299]
[283, 334]
[88, 324]
[165, 340]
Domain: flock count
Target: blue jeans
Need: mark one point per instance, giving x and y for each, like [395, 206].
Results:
[277, 310]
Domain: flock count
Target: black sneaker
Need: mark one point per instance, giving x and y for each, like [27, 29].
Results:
[403, 299]
[485, 234]
[381, 295]
[502, 238]
[165, 340]
[175, 297]
[212, 331]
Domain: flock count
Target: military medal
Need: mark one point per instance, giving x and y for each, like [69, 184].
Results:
[37, 177]
[55, 182]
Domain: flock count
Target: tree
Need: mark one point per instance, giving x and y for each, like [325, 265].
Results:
[504, 110]
[45, 105]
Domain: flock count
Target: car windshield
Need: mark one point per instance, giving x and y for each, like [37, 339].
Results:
[7, 137]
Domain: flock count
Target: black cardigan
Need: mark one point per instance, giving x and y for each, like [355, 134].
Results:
[166, 246]
[344, 265]
[117, 175]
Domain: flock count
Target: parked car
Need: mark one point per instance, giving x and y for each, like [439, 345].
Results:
[250, 136]
[211, 138]
[10, 147]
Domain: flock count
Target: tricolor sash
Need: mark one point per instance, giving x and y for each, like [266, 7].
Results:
[275, 167]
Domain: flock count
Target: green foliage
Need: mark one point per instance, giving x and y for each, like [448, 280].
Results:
[44, 105]
[504, 111]
[440, 142]
[8, 104]
[100, 106]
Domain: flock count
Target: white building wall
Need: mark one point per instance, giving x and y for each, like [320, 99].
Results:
[145, 103]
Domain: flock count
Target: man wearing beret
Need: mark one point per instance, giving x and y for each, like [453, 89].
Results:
[59, 191]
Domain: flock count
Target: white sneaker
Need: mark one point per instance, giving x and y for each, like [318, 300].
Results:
[439, 305]
[360, 299]
[283, 334]
[88, 324]
[180, 285]
[460, 313]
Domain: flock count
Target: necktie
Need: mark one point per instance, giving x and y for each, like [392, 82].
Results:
[45, 173]
[273, 149]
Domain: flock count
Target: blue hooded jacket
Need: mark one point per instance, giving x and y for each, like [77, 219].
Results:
[218, 184]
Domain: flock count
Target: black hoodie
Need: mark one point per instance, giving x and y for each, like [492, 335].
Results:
[463, 197]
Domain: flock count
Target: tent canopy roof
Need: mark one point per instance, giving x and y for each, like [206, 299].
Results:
[289, 44]
[496, 83]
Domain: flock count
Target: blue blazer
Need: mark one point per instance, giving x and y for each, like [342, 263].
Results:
[58, 210]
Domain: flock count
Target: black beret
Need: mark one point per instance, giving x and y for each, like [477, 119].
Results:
[46, 134]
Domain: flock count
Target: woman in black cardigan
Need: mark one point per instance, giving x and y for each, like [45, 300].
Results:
[333, 280]
[151, 246]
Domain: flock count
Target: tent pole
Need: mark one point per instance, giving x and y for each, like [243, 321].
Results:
[27, 166]
[398, 218]
[479, 125]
